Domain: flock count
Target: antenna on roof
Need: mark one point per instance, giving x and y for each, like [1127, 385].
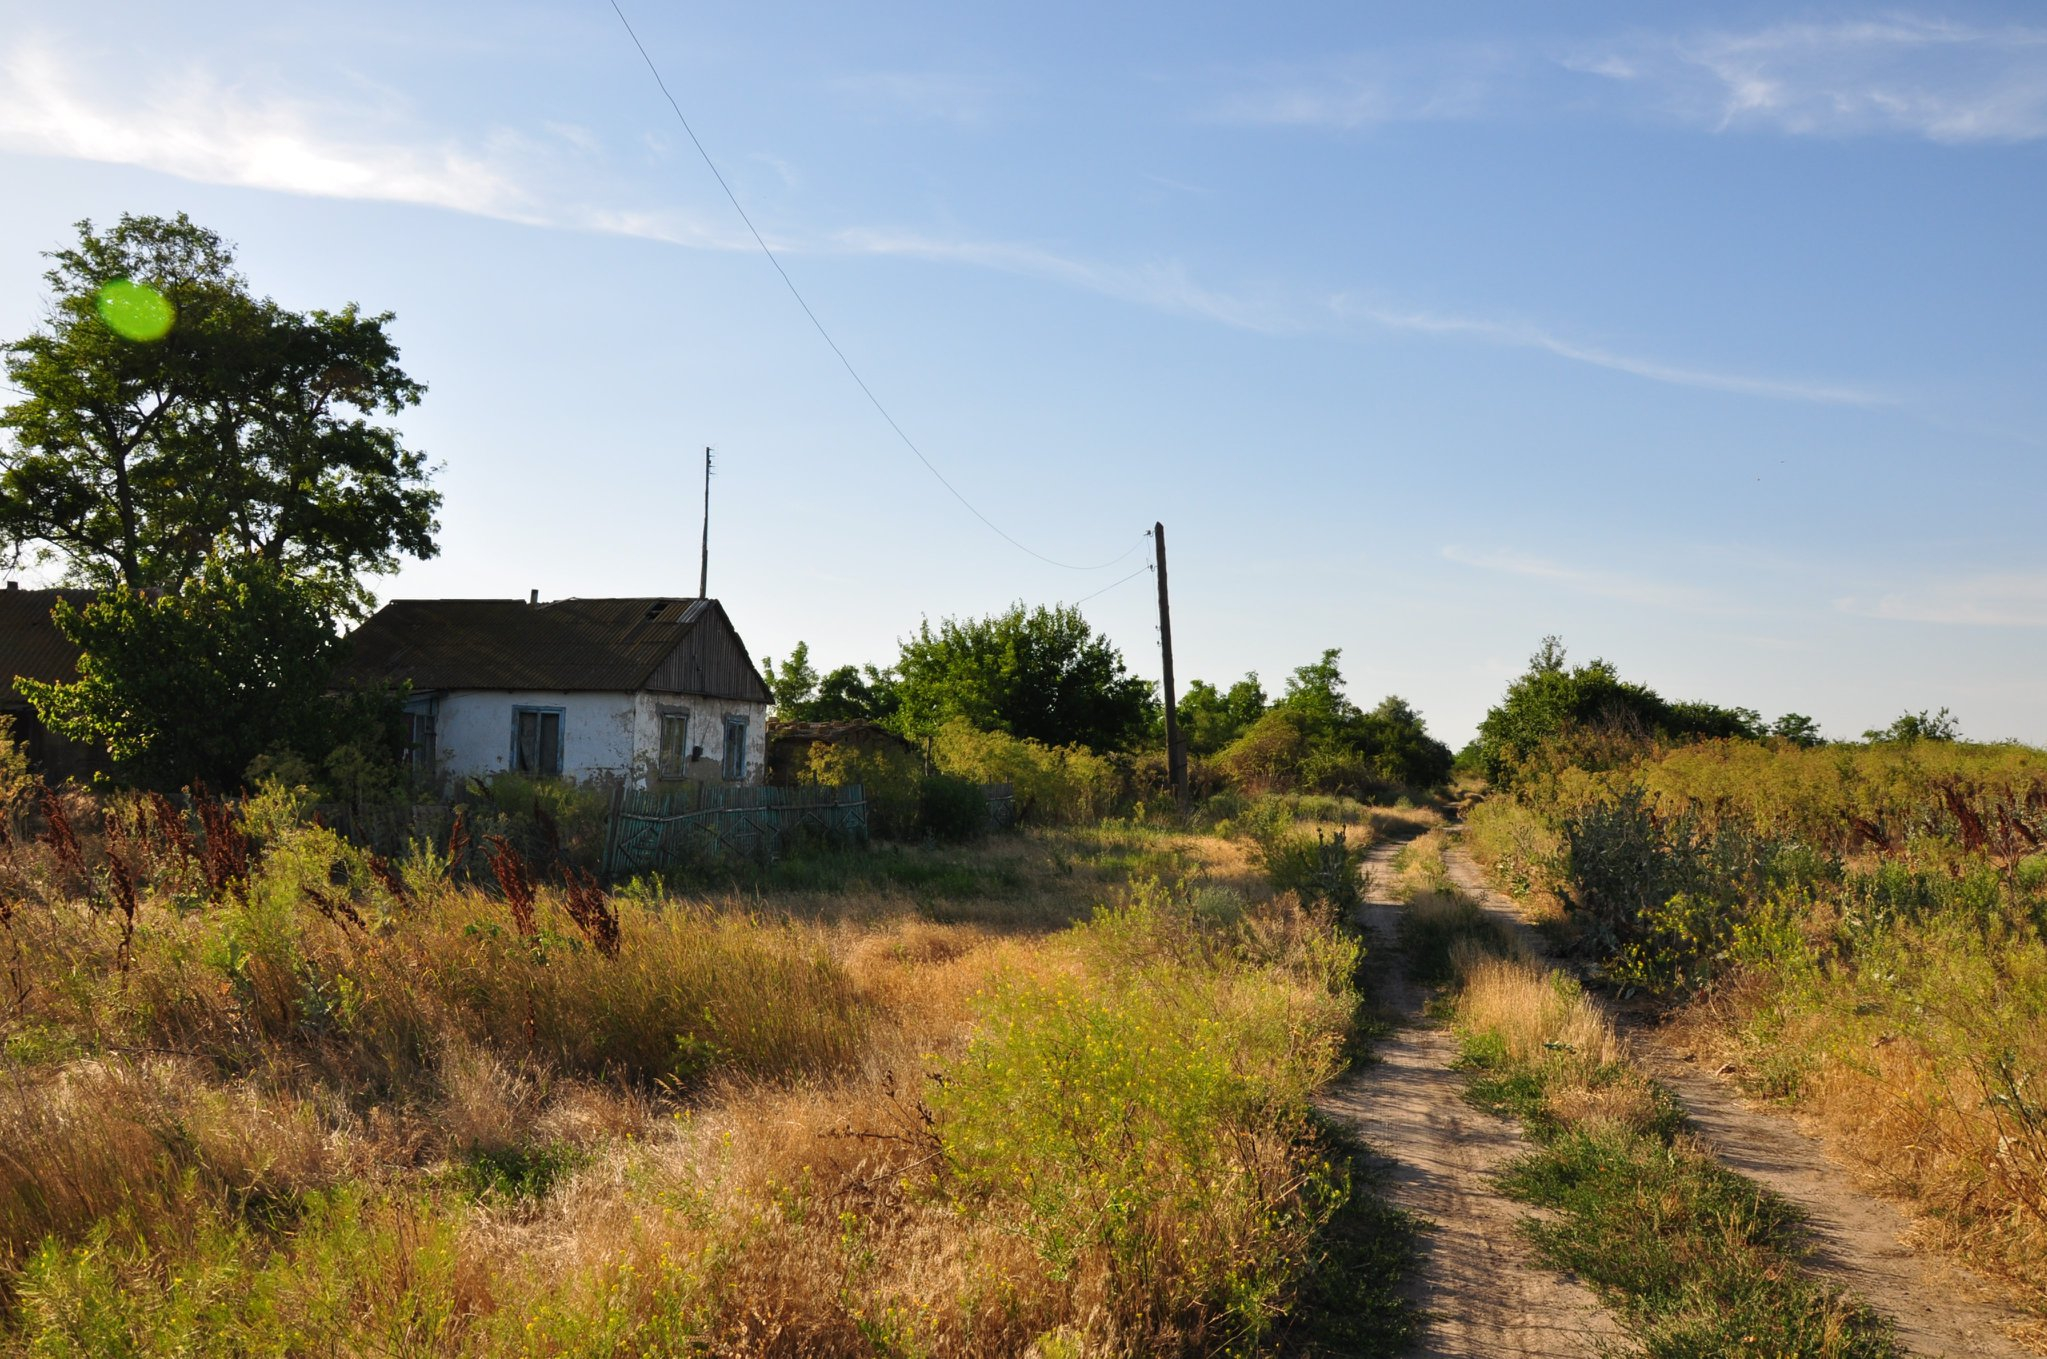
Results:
[704, 574]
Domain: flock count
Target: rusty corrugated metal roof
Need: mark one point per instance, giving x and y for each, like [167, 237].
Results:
[567, 644]
[30, 645]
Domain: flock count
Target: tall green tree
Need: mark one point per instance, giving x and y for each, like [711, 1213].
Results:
[128, 460]
[1798, 729]
[1039, 673]
[1315, 737]
[1553, 701]
[842, 695]
[196, 684]
[1211, 718]
[1919, 726]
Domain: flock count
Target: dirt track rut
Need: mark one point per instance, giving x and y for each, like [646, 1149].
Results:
[1858, 1240]
[1485, 1292]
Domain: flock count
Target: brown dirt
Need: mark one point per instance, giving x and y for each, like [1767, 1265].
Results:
[1485, 1292]
[1859, 1241]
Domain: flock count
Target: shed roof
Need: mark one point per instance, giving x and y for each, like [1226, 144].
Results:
[566, 644]
[30, 645]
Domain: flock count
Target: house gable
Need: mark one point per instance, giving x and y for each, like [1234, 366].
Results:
[711, 659]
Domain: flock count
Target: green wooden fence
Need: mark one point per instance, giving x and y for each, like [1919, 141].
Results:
[657, 829]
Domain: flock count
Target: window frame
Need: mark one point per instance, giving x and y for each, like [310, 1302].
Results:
[662, 716]
[422, 740]
[734, 722]
[561, 732]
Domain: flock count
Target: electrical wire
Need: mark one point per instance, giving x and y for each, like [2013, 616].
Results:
[851, 371]
[1111, 585]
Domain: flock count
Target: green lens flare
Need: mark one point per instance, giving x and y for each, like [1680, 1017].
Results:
[135, 311]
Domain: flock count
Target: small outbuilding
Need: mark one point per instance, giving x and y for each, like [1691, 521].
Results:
[790, 745]
[645, 691]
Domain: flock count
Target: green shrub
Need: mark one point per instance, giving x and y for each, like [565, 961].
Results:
[1059, 785]
[952, 810]
[889, 777]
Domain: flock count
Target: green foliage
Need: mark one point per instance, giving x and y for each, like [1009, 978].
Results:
[1552, 704]
[1660, 896]
[247, 424]
[1919, 726]
[1326, 869]
[517, 1172]
[845, 694]
[1211, 719]
[1798, 729]
[195, 684]
[1316, 739]
[888, 775]
[951, 809]
[1037, 674]
[1059, 785]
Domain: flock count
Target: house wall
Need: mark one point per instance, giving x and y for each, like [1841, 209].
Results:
[605, 736]
[473, 731]
[707, 729]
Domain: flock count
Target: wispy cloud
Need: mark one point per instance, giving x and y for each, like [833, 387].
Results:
[199, 128]
[1631, 589]
[1524, 336]
[1164, 285]
[1926, 78]
[2008, 599]
[1897, 76]
[1367, 88]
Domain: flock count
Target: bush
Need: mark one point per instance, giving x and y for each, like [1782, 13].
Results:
[1325, 869]
[1061, 785]
[952, 810]
[889, 776]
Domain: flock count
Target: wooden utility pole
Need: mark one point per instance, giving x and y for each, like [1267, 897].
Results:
[1176, 754]
[704, 573]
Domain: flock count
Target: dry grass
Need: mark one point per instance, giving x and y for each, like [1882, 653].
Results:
[366, 1111]
[1535, 1014]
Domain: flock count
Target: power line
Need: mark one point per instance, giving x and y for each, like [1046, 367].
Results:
[1111, 585]
[851, 371]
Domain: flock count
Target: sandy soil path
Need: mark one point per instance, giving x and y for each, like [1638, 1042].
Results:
[1482, 1286]
[1940, 1309]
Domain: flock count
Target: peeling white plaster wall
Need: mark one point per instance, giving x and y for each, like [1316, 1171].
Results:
[605, 736]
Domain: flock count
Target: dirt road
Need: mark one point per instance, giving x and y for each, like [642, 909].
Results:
[1486, 1293]
[1858, 1239]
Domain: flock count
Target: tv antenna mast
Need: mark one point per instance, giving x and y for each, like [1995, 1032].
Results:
[704, 571]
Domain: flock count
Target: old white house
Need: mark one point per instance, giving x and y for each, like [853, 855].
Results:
[641, 690]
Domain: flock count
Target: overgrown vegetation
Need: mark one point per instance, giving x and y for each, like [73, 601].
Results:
[265, 1092]
[1587, 716]
[1861, 929]
[1035, 698]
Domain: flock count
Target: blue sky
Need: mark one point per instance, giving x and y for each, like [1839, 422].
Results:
[1708, 337]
